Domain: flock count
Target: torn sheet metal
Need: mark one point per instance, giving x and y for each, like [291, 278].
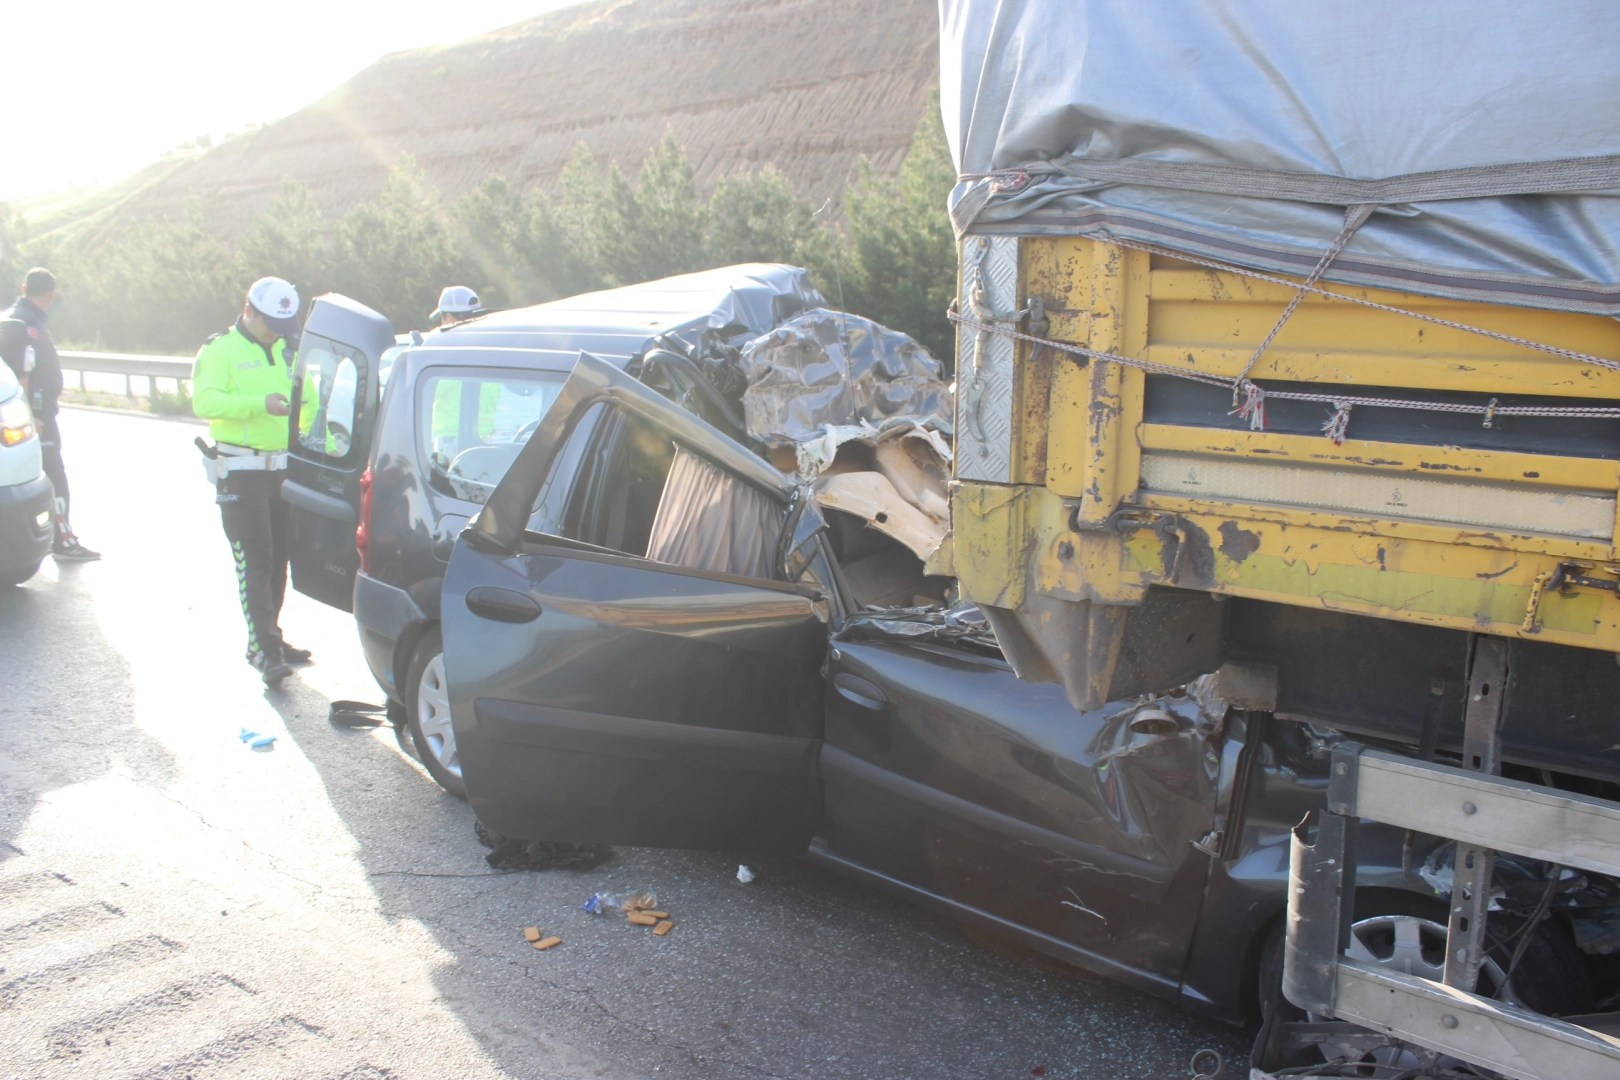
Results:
[965, 625]
[814, 455]
[896, 479]
[825, 369]
[871, 496]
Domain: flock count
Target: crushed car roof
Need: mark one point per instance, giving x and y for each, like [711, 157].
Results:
[732, 304]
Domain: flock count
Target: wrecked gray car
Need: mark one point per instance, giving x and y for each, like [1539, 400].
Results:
[710, 640]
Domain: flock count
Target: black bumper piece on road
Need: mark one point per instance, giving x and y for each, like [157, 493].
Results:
[23, 541]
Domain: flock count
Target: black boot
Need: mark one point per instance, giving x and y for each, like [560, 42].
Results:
[272, 666]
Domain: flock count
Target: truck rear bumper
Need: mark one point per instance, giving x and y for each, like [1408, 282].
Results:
[1474, 808]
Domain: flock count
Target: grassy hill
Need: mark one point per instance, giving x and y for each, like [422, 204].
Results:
[809, 85]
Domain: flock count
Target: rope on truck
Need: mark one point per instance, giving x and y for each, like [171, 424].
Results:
[1248, 398]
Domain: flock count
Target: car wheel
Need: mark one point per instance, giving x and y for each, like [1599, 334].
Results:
[9, 578]
[1406, 933]
[427, 708]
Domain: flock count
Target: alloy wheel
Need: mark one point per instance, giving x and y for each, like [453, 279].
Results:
[1410, 945]
[433, 716]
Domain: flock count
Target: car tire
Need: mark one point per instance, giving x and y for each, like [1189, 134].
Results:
[1550, 978]
[8, 578]
[427, 710]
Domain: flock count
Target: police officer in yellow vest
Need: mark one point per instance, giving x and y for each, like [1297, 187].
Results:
[241, 382]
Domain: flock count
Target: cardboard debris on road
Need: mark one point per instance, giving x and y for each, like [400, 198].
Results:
[531, 933]
[640, 910]
[548, 942]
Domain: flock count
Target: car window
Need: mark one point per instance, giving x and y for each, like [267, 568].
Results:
[708, 519]
[621, 479]
[551, 505]
[472, 426]
[329, 395]
[637, 492]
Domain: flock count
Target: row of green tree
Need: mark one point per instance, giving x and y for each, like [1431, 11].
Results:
[164, 285]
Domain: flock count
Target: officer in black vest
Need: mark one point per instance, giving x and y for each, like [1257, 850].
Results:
[26, 345]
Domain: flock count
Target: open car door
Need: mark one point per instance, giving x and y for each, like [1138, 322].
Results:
[334, 407]
[646, 678]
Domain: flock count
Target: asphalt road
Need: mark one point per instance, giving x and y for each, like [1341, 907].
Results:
[173, 904]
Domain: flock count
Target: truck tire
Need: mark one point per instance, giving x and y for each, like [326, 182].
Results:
[427, 710]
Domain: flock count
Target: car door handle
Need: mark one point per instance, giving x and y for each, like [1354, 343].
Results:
[856, 689]
[502, 605]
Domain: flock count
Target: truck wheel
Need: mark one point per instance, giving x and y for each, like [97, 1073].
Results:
[427, 708]
[9, 578]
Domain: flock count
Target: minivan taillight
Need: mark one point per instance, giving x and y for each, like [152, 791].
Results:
[362, 529]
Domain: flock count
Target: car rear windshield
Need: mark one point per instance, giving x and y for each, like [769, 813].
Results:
[473, 425]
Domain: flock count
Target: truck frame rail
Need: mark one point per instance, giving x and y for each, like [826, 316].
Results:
[1484, 813]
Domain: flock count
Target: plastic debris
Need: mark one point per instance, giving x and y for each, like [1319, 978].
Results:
[663, 928]
[547, 942]
[599, 903]
[745, 875]
[256, 741]
[531, 933]
[640, 902]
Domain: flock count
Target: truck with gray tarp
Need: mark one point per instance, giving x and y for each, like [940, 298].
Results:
[1288, 346]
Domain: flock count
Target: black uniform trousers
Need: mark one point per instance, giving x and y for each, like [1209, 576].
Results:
[50, 451]
[255, 519]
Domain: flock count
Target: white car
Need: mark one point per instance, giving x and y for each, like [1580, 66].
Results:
[26, 495]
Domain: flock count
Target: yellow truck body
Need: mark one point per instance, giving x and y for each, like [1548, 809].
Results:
[1100, 501]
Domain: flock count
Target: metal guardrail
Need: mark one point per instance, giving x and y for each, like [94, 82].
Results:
[129, 365]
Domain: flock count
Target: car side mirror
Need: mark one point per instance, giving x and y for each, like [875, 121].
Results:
[803, 524]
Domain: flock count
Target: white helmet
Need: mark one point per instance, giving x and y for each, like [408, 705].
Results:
[277, 301]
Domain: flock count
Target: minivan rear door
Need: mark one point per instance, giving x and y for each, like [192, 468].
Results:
[646, 679]
[334, 408]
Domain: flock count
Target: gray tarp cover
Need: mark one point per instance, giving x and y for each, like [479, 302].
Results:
[825, 368]
[1362, 89]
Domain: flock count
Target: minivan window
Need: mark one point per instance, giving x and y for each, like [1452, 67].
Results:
[385, 366]
[329, 394]
[473, 425]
